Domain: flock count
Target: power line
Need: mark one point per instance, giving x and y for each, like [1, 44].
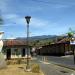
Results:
[43, 2]
[48, 2]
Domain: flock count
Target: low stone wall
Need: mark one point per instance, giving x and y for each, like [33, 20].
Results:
[2, 61]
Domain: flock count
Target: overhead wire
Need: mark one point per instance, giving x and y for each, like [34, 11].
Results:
[47, 2]
[43, 2]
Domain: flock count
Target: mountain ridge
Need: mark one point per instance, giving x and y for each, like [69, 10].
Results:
[38, 37]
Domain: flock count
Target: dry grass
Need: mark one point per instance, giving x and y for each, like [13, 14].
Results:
[17, 70]
[35, 68]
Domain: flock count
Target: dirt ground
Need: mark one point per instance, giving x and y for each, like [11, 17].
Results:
[16, 70]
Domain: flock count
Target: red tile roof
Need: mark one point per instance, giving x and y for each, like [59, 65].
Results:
[12, 42]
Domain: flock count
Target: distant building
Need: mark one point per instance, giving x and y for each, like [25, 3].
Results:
[60, 48]
[12, 48]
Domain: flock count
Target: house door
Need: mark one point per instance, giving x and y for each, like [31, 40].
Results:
[8, 54]
[23, 52]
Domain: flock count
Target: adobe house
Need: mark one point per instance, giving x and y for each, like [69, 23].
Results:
[59, 48]
[12, 48]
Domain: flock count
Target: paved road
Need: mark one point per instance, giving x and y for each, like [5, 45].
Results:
[51, 69]
[67, 61]
[63, 59]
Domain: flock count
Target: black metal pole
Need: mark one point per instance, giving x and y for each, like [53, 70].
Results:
[28, 20]
[27, 67]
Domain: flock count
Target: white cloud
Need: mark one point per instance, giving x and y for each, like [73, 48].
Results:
[4, 5]
[32, 6]
[11, 19]
[59, 6]
[10, 38]
[38, 25]
[16, 19]
[38, 22]
[10, 16]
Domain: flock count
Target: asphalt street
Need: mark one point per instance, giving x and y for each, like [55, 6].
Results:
[52, 69]
[62, 59]
[67, 61]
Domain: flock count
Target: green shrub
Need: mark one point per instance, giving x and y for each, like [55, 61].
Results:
[11, 62]
[35, 68]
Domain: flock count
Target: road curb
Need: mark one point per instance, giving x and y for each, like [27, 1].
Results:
[62, 65]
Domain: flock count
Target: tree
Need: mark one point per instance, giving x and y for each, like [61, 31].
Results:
[1, 19]
[70, 33]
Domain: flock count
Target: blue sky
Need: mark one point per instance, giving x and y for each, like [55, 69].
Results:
[48, 17]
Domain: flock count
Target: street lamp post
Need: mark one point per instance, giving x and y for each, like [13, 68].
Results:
[28, 51]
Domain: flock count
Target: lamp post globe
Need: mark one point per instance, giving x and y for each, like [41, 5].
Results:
[28, 19]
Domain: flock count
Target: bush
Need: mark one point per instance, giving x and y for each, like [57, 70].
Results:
[8, 62]
[11, 62]
[18, 61]
[35, 68]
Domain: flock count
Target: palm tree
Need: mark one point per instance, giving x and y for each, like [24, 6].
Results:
[70, 34]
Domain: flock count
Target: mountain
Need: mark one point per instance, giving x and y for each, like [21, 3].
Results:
[38, 37]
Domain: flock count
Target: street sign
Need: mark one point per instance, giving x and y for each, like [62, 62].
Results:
[72, 42]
